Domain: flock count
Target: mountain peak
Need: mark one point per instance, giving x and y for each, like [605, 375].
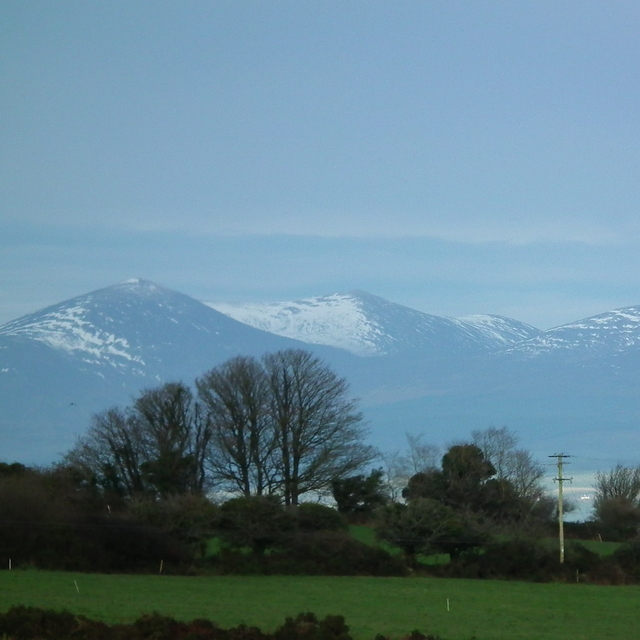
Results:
[335, 320]
[123, 325]
[368, 325]
[611, 332]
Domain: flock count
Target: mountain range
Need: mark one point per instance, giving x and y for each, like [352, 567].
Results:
[367, 325]
[574, 388]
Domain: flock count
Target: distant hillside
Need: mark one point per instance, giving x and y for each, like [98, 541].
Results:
[367, 325]
[575, 387]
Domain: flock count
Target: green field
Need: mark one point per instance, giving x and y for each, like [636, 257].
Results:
[485, 610]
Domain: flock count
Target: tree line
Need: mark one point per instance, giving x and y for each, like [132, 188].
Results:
[252, 455]
[280, 425]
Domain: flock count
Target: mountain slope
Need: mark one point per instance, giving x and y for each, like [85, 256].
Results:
[63, 363]
[577, 385]
[602, 335]
[367, 325]
[140, 328]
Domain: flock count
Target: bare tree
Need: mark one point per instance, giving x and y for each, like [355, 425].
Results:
[515, 465]
[283, 424]
[617, 501]
[396, 474]
[235, 397]
[174, 439]
[621, 482]
[399, 466]
[157, 446]
[421, 456]
[497, 446]
[110, 453]
[318, 431]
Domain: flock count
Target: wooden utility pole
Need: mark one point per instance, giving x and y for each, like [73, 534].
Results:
[560, 479]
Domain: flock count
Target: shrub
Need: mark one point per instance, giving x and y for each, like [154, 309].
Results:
[28, 623]
[336, 553]
[256, 522]
[627, 557]
[310, 516]
[521, 560]
[314, 553]
[306, 627]
[188, 518]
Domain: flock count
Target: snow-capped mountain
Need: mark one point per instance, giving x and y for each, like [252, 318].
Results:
[367, 325]
[605, 334]
[412, 371]
[60, 365]
[139, 328]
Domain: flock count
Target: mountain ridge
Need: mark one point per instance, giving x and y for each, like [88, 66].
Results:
[415, 371]
[368, 325]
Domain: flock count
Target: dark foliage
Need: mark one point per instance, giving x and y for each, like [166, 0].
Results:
[522, 560]
[11, 469]
[359, 496]
[89, 544]
[334, 553]
[307, 627]
[310, 516]
[619, 518]
[30, 623]
[48, 521]
[427, 526]
[627, 557]
[188, 518]
[255, 522]
[313, 553]
[466, 483]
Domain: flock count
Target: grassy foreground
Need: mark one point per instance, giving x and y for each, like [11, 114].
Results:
[485, 610]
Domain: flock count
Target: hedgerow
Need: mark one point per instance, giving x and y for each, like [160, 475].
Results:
[30, 623]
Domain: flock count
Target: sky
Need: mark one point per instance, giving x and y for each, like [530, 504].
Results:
[454, 157]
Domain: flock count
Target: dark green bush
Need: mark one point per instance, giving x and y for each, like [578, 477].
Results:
[316, 553]
[89, 544]
[306, 627]
[627, 557]
[521, 560]
[310, 516]
[49, 521]
[29, 623]
[255, 522]
[335, 553]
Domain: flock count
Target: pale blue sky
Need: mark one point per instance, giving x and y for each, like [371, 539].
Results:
[456, 157]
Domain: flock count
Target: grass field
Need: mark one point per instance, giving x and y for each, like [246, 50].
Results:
[485, 610]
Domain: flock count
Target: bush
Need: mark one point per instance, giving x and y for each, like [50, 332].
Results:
[334, 553]
[619, 518]
[306, 627]
[29, 623]
[627, 557]
[310, 516]
[255, 522]
[49, 521]
[187, 517]
[314, 553]
[521, 560]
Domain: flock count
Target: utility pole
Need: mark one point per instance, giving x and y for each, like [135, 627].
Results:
[560, 479]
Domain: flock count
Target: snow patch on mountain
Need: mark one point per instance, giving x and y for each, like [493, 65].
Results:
[68, 328]
[336, 320]
[499, 329]
[367, 325]
[611, 332]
